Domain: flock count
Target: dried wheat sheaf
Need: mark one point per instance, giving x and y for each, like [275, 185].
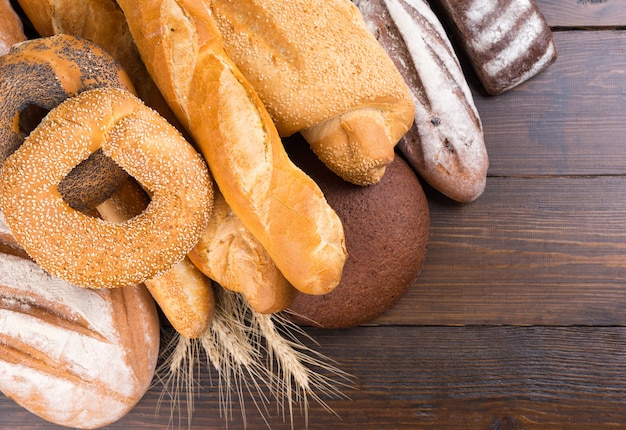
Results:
[257, 357]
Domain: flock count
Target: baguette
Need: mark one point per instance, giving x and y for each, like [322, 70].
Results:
[446, 144]
[11, 27]
[320, 72]
[280, 205]
[74, 356]
[229, 254]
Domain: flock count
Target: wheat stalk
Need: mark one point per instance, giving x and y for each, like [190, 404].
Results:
[255, 354]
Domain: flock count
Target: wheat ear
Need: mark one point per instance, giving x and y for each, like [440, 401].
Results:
[256, 354]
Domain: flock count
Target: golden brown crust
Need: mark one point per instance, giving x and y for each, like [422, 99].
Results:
[11, 27]
[183, 293]
[276, 201]
[318, 70]
[230, 255]
[88, 251]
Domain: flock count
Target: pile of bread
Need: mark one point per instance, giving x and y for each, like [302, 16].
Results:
[316, 120]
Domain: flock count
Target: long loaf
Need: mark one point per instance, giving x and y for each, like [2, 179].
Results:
[507, 42]
[284, 208]
[446, 144]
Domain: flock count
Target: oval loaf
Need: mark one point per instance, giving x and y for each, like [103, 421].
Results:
[74, 356]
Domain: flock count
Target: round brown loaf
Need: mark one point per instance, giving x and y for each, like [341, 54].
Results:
[386, 228]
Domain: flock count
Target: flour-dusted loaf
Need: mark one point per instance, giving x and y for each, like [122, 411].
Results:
[74, 356]
[506, 41]
[446, 143]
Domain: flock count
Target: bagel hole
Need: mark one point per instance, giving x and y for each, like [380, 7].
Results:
[29, 119]
[90, 182]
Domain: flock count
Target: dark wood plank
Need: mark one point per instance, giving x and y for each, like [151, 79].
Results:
[568, 120]
[584, 13]
[443, 378]
[528, 251]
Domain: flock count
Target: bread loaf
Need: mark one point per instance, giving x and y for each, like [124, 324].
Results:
[230, 255]
[319, 71]
[446, 143]
[387, 231]
[506, 41]
[74, 356]
[11, 27]
[280, 205]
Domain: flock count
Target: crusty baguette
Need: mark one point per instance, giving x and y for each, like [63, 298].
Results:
[319, 71]
[183, 293]
[74, 356]
[102, 22]
[284, 208]
[11, 27]
[446, 144]
[230, 255]
[507, 42]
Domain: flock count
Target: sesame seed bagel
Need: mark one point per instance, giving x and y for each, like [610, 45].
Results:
[89, 251]
[44, 72]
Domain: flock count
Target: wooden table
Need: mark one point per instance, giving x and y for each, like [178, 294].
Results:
[517, 319]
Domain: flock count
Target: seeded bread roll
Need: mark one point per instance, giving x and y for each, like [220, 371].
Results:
[387, 229]
[319, 71]
[506, 41]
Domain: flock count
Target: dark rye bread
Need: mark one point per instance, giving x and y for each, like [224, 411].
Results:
[506, 41]
[386, 227]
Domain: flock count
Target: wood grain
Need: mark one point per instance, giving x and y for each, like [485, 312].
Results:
[584, 13]
[569, 120]
[443, 378]
[518, 319]
[548, 250]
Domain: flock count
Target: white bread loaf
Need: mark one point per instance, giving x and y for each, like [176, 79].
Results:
[446, 143]
[74, 356]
